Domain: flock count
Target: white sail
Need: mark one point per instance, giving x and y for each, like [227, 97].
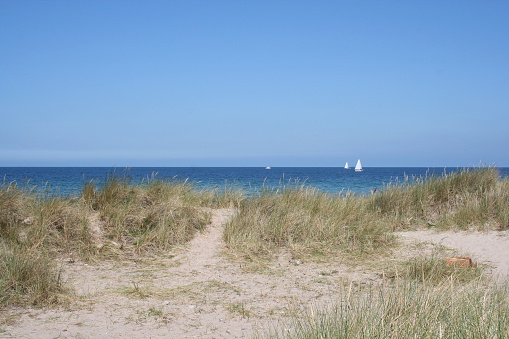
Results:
[346, 166]
[358, 167]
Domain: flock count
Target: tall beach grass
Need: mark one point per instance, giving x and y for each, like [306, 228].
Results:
[115, 220]
[154, 214]
[428, 299]
[302, 217]
[470, 198]
[407, 310]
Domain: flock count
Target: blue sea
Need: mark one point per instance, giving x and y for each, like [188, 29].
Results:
[68, 181]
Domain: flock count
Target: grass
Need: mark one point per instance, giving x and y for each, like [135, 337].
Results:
[434, 270]
[306, 219]
[153, 216]
[428, 299]
[240, 309]
[116, 220]
[462, 200]
[27, 278]
[302, 218]
[408, 310]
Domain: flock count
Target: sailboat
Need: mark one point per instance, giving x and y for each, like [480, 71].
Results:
[346, 166]
[358, 167]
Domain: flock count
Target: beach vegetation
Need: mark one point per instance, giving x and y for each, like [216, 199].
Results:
[425, 299]
[155, 214]
[407, 309]
[301, 218]
[467, 199]
[28, 277]
[120, 218]
[39, 229]
[305, 219]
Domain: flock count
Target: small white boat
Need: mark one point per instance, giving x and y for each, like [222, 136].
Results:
[268, 167]
[346, 166]
[358, 167]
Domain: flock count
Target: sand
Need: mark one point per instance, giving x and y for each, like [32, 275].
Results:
[490, 248]
[199, 292]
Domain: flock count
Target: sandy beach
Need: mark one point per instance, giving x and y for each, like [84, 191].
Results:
[199, 292]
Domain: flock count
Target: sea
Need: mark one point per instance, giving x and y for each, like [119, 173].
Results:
[69, 181]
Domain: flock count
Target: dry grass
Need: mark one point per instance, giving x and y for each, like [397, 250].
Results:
[37, 227]
[408, 310]
[305, 219]
[427, 300]
[467, 199]
[301, 218]
[27, 277]
[155, 215]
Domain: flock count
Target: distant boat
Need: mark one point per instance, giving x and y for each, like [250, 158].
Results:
[268, 167]
[358, 167]
[346, 166]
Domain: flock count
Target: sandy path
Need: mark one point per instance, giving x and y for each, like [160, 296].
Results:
[197, 293]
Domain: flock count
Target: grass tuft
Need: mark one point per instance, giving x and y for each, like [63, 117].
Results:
[27, 278]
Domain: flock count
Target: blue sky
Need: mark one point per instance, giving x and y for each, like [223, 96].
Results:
[254, 83]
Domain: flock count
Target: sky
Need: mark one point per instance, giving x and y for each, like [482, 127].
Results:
[254, 83]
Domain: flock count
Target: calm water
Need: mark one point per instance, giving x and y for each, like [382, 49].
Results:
[69, 180]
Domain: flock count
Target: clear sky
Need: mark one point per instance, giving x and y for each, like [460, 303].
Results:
[254, 83]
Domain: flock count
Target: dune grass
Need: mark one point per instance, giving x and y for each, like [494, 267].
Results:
[115, 220]
[427, 300]
[305, 219]
[407, 310]
[28, 277]
[302, 217]
[122, 219]
[470, 198]
[433, 270]
[148, 216]
[34, 229]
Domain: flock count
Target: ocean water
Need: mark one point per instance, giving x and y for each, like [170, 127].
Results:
[68, 181]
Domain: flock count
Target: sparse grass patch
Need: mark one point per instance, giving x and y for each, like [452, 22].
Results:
[151, 313]
[198, 291]
[135, 291]
[433, 270]
[240, 309]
